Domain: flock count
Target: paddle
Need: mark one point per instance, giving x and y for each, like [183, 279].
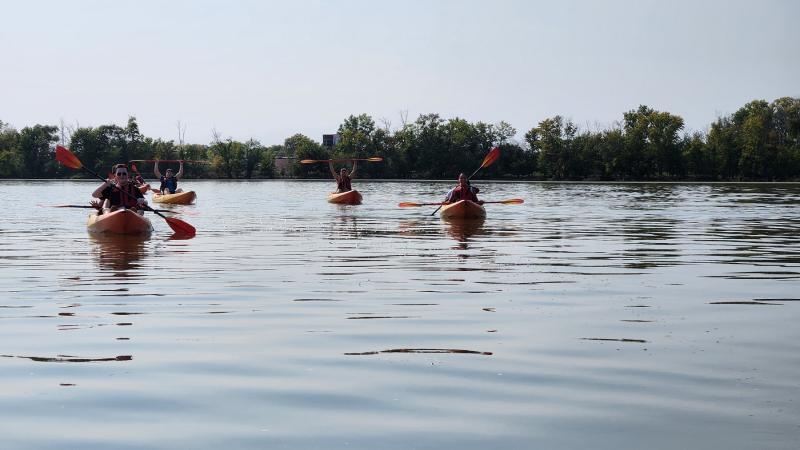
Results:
[92, 207]
[488, 160]
[510, 201]
[310, 161]
[68, 159]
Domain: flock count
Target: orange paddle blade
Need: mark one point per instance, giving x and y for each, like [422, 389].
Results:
[491, 157]
[375, 159]
[180, 227]
[510, 201]
[67, 158]
[309, 161]
[410, 204]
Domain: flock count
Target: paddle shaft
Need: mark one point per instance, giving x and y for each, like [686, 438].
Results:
[92, 207]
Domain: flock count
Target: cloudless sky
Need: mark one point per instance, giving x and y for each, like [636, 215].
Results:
[269, 69]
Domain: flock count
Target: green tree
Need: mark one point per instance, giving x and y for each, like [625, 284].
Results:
[302, 147]
[10, 158]
[553, 142]
[36, 145]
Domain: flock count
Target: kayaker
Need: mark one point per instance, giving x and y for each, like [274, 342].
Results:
[343, 179]
[169, 181]
[464, 191]
[112, 192]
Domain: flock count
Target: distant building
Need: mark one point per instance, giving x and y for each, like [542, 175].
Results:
[282, 164]
[330, 140]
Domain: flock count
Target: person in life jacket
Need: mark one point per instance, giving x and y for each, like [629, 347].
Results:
[119, 192]
[169, 182]
[343, 179]
[464, 191]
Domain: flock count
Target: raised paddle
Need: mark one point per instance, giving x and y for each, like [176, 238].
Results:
[488, 160]
[68, 159]
[310, 161]
[510, 201]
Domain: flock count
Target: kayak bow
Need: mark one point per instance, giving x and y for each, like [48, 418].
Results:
[121, 221]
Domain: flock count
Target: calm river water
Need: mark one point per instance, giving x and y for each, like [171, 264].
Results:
[603, 316]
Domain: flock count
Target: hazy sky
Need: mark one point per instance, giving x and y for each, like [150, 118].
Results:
[270, 69]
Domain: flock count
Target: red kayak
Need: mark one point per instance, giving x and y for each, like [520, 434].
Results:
[121, 221]
[345, 198]
[463, 209]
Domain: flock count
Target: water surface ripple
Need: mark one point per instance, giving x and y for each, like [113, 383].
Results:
[592, 316]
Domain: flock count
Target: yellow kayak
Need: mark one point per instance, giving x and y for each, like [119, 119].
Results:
[463, 209]
[178, 198]
[345, 198]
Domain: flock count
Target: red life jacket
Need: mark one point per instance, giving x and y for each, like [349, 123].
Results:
[117, 198]
[463, 194]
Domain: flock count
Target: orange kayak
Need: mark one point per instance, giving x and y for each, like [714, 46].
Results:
[463, 209]
[178, 198]
[121, 221]
[345, 198]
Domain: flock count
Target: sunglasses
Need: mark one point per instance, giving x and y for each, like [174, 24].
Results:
[122, 174]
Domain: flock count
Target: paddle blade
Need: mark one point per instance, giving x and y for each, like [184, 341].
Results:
[408, 204]
[512, 201]
[375, 159]
[180, 227]
[307, 161]
[491, 157]
[67, 158]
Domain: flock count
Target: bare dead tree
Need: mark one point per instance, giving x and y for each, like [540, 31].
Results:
[181, 137]
[387, 124]
[404, 117]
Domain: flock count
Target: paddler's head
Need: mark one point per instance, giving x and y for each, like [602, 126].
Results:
[462, 179]
[169, 173]
[121, 174]
[343, 172]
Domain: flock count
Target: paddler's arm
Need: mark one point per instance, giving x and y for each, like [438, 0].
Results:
[353, 172]
[98, 193]
[333, 172]
[156, 172]
[180, 171]
[448, 197]
[140, 200]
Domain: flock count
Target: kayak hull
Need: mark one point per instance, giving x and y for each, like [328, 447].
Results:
[178, 198]
[463, 209]
[345, 198]
[121, 221]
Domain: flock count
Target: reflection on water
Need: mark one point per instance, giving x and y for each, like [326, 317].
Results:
[611, 316]
[462, 229]
[120, 253]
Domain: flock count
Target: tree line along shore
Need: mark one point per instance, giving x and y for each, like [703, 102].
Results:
[759, 142]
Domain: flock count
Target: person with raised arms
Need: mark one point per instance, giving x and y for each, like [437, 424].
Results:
[169, 182]
[343, 179]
